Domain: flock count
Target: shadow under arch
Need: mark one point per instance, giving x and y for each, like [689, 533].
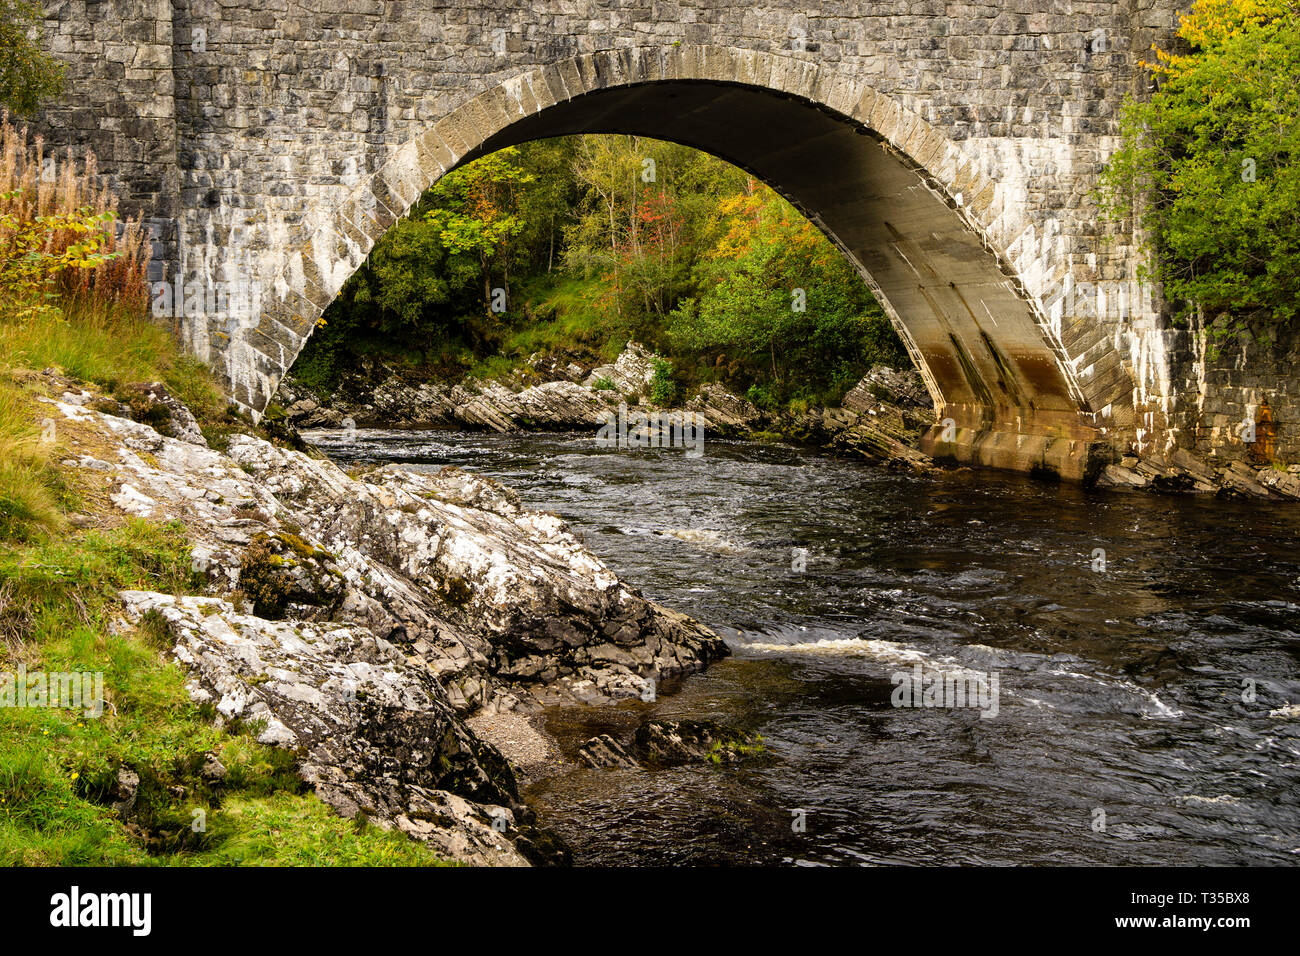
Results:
[926, 228]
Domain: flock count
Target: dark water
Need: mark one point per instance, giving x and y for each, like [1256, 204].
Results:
[1120, 691]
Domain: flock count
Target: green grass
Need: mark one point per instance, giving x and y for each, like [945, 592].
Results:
[561, 316]
[283, 830]
[109, 349]
[58, 767]
[58, 608]
[31, 489]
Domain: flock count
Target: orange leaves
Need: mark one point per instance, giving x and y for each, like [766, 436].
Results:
[59, 231]
[759, 216]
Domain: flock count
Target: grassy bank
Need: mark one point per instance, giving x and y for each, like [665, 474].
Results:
[65, 552]
[59, 768]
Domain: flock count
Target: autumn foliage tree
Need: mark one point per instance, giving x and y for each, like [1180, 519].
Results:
[476, 212]
[1210, 163]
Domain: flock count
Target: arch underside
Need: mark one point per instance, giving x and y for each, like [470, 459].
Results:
[999, 384]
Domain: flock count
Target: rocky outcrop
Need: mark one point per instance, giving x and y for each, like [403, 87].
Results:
[375, 735]
[360, 621]
[604, 753]
[1180, 472]
[881, 418]
[630, 374]
[724, 412]
[660, 743]
[666, 743]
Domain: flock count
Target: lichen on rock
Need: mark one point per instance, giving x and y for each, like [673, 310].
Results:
[359, 621]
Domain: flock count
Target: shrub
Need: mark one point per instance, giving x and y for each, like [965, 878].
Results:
[663, 383]
[761, 397]
[60, 234]
[1209, 163]
[28, 74]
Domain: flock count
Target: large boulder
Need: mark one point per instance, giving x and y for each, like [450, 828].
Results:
[630, 374]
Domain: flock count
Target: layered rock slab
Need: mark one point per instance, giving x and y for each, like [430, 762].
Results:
[395, 604]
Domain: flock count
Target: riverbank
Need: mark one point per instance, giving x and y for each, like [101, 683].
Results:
[880, 419]
[356, 622]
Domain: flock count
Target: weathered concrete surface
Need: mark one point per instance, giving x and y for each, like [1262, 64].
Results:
[948, 148]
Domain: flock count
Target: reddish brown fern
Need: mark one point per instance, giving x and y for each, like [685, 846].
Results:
[33, 184]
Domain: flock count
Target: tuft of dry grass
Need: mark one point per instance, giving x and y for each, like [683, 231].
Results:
[29, 481]
[36, 184]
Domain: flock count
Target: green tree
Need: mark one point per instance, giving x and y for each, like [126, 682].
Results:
[1210, 164]
[27, 74]
[476, 211]
[774, 290]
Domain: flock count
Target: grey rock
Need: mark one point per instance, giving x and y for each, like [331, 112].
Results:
[604, 752]
[631, 372]
[722, 411]
[667, 743]
[125, 791]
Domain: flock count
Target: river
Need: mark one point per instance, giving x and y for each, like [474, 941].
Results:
[1146, 651]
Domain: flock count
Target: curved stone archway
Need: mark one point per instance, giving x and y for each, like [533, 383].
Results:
[939, 242]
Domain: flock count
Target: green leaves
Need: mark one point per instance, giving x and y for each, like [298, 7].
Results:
[27, 74]
[775, 290]
[1209, 163]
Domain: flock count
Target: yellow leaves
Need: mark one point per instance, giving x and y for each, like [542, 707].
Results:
[35, 251]
[1212, 23]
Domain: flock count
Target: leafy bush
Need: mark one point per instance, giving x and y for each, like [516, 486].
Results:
[28, 74]
[761, 397]
[1210, 164]
[663, 383]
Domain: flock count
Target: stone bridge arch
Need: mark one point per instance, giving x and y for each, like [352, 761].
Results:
[240, 131]
[948, 250]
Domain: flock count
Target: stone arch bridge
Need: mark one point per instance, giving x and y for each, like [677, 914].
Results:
[949, 148]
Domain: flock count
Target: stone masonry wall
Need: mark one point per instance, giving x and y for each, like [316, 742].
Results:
[247, 131]
[119, 104]
[1223, 383]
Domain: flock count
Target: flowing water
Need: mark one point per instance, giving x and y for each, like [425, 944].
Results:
[1146, 651]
